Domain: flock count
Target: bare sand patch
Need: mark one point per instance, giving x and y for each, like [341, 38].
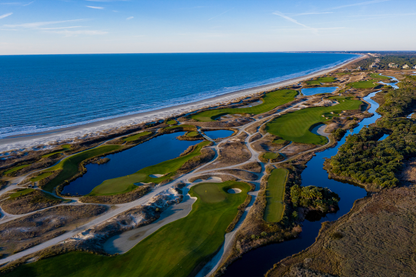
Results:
[234, 191]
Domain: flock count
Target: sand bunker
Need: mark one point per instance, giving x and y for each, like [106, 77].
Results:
[156, 175]
[234, 190]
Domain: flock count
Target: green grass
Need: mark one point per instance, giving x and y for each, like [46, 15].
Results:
[270, 101]
[363, 84]
[275, 195]
[296, 126]
[280, 141]
[14, 169]
[21, 193]
[321, 80]
[270, 155]
[69, 166]
[181, 127]
[377, 76]
[136, 136]
[343, 73]
[41, 176]
[192, 134]
[172, 122]
[127, 183]
[53, 153]
[66, 146]
[174, 250]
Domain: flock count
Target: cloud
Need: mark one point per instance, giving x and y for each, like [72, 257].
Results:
[18, 3]
[315, 30]
[35, 25]
[79, 32]
[357, 4]
[95, 7]
[5, 15]
[129, 18]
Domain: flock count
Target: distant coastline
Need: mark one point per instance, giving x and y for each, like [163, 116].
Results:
[114, 125]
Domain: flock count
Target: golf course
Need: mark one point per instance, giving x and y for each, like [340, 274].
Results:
[275, 194]
[177, 249]
[270, 101]
[295, 126]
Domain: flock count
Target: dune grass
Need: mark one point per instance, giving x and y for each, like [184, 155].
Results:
[270, 101]
[70, 166]
[296, 126]
[180, 127]
[321, 80]
[176, 249]
[275, 194]
[127, 183]
[14, 169]
[363, 84]
[136, 136]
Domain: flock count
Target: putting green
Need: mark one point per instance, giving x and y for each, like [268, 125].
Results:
[270, 155]
[296, 126]
[179, 249]
[275, 194]
[127, 183]
[270, 101]
[363, 84]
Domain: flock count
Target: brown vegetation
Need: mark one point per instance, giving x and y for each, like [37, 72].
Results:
[253, 167]
[117, 198]
[33, 201]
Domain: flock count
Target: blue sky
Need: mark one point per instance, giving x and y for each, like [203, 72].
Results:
[136, 26]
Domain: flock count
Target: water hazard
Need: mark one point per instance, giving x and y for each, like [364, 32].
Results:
[313, 91]
[127, 162]
[257, 262]
[219, 133]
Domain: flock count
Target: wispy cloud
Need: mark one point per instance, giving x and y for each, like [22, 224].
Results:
[357, 4]
[95, 7]
[130, 18]
[18, 3]
[315, 30]
[220, 14]
[34, 25]
[5, 15]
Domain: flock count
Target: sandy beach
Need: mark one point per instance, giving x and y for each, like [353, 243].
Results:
[98, 128]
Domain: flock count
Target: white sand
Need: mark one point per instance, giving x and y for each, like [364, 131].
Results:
[112, 125]
[234, 191]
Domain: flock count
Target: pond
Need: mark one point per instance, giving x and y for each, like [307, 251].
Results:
[127, 162]
[393, 84]
[219, 133]
[384, 137]
[313, 91]
[258, 261]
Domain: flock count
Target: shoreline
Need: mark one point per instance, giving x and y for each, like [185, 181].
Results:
[113, 125]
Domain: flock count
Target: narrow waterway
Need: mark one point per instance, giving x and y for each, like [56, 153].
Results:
[257, 262]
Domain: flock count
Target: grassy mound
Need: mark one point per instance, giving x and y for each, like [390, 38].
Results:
[14, 169]
[275, 195]
[192, 134]
[270, 155]
[70, 166]
[136, 136]
[296, 126]
[177, 249]
[127, 183]
[270, 101]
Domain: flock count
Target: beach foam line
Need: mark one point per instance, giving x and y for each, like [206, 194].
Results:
[99, 128]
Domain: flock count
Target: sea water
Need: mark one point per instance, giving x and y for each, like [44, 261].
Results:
[46, 92]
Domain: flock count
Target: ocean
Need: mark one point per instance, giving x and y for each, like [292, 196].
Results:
[46, 92]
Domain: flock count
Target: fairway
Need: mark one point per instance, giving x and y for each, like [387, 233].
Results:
[321, 80]
[70, 166]
[127, 183]
[270, 101]
[176, 249]
[14, 169]
[136, 136]
[275, 194]
[363, 84]
[296, 126]
[378, 76]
